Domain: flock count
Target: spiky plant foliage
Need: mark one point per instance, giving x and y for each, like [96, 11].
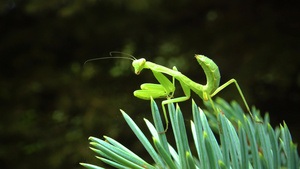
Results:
[243, 143]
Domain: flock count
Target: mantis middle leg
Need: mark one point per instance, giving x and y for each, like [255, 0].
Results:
[187, 92]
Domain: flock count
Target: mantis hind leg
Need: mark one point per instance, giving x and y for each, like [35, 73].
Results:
[241, 94]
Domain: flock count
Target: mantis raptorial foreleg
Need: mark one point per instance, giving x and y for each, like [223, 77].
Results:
[163, 90]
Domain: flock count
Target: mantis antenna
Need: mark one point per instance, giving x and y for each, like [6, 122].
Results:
[122, 53]
[130, 57]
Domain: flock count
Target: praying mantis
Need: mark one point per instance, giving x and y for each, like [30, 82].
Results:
[166, 88]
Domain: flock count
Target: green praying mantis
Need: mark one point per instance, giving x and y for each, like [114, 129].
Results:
[166, 88]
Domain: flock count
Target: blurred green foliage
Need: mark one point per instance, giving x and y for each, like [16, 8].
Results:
[51, 103]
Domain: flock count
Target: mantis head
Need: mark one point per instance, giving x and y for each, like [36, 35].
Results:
[139, 65]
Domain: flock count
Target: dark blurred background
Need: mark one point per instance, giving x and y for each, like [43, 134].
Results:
[51, 103]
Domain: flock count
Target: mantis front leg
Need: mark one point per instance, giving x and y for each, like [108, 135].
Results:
[162, 90]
